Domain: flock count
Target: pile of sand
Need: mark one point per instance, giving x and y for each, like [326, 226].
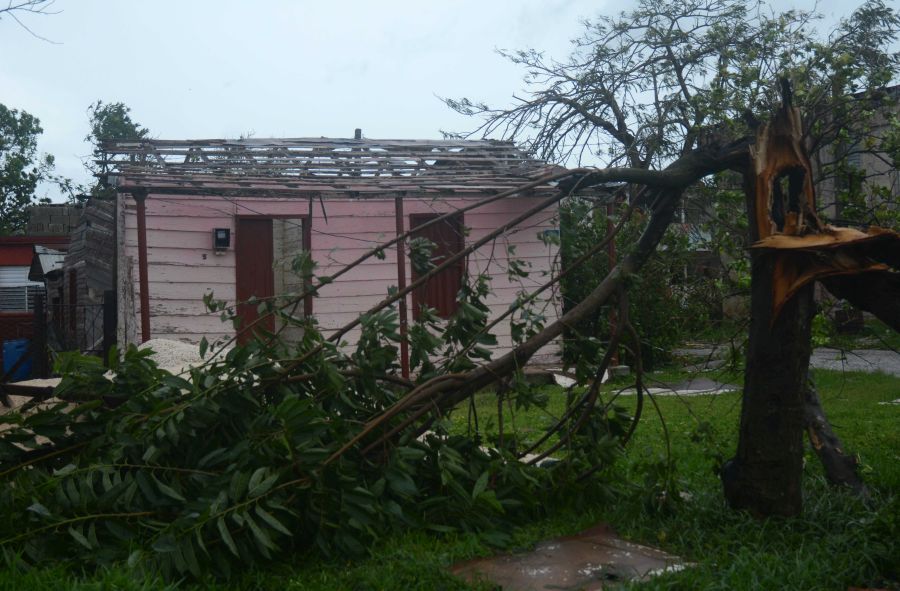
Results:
[173, 356]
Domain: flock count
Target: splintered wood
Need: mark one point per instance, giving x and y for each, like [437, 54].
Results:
[786, 224]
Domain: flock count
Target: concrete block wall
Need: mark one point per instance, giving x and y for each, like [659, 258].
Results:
[52, 219]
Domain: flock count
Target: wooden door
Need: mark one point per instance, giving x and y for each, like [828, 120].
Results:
[255, 276]
[440, 291]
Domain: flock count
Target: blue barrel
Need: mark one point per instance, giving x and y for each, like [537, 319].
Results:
[13, 351]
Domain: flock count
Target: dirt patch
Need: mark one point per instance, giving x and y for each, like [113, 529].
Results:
[591, 560]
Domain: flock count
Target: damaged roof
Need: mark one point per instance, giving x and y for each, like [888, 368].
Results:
[320, 164]
[45, 262]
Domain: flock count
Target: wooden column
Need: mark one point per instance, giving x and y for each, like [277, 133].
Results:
[140, 196]
[39, 338]
[110, 321]
[401, 285]
[307, 246]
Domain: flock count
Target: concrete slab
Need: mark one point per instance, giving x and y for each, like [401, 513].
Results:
[868, 360]
[587, 561]
[698, 386]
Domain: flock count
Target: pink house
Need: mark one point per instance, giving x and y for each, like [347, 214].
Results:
[227, 217]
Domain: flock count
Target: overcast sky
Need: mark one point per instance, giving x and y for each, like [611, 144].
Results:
[215, 68]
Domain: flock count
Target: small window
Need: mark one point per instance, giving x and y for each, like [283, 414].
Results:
[19, 298]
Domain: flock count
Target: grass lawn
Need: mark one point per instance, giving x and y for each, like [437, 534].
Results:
[837, 542]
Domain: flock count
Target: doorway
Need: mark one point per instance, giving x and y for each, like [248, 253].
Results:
[440, 291]
[265, 248]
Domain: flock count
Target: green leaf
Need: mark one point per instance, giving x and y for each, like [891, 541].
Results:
[146, 489]
[168, 490]
[480, 484]
[190, 558]
[79, 537]
[212, 457]
[164, 544]
[443, 529]
[39, 509]
[198, 534]
[119, 531]
[226, 536]
[204, 345]
[270, 519]
[149, 453]
[264, 486]
[255, 478]
[67, 469]
[171, 432]
[238, 485]
[72, 492]
[261, 536]
[400, 482]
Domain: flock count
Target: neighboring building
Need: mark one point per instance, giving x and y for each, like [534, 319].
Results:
[17, 291]
[78, 283]
[228, 217]
[865, 159]
[52, 219]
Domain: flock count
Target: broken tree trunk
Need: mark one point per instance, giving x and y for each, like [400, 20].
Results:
[792, 250]
[764, 477]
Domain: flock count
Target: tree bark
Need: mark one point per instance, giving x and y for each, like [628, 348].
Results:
[764, 477]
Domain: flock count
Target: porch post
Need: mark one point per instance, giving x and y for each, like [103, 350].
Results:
[140, 196]
[401, 285]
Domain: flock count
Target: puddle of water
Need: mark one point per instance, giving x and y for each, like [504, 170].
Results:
[583, 561]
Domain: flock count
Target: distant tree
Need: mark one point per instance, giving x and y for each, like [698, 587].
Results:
[21, 167]
[109, 121]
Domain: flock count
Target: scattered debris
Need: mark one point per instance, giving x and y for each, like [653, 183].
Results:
[567, 379]
[564, 381]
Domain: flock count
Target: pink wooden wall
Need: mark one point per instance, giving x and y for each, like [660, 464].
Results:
[182, 265]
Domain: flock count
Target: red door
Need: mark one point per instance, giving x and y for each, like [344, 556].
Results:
[254, 257]
[440, 291]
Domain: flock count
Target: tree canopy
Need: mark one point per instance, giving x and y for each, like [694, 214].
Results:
[109, 121]
[641, 88]
[21, 167]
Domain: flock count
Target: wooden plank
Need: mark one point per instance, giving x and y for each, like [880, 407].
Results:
[190, 274]
[188, 291]
[161, 255]
[188, 324]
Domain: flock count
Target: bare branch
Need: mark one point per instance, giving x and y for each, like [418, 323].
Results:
[15, 9]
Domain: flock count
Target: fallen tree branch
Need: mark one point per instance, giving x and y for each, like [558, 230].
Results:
[841, 469]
